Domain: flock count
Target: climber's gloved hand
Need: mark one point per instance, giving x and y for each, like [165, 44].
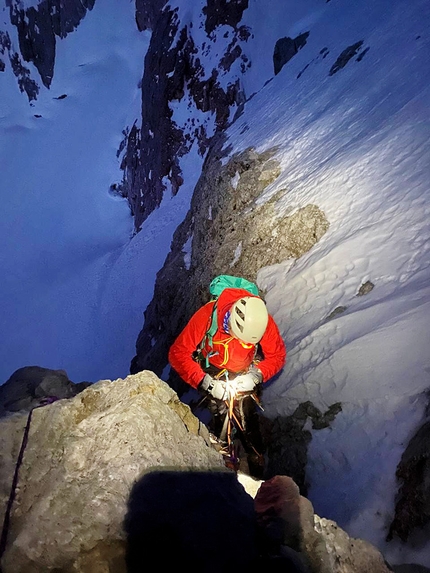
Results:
[247, 382]
[216, 388]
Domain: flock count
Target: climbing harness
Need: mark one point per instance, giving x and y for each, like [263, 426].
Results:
[234, 422]
[6, 522]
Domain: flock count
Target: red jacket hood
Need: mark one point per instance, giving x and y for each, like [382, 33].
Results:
[226, 300]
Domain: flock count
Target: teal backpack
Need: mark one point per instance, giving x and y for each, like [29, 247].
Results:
[217, 285]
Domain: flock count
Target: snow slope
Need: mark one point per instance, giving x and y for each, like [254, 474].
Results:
[357, 144]
[75, 282]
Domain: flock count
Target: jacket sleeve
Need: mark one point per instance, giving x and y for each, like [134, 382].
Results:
[274, 351]
[181, 351]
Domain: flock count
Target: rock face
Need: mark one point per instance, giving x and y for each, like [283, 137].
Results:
[413, 501]
[147, 12]
[224, 231]
[83, 457]
[175, 71]
[347, 54]
[287, 440]
[38, 27]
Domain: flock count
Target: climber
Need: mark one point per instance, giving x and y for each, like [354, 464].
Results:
[246, 345]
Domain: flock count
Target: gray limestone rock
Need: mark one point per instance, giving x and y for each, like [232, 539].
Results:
[336, 312]
[123, 474]
[365, 288]
[83, 457]
[346, 554]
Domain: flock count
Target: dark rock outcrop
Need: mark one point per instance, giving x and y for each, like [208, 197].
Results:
[413, 501]
[286, 48]
[153, 151]
[29, 385]
[347, 54]
[336, 312]
[147, 13]
[5, 45]
[25, 82]
[219, 12]
[286, 441]
[365, 288]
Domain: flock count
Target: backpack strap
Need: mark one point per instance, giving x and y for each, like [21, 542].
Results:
[208, 337]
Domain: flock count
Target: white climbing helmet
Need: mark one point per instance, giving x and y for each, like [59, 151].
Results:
[248, 319]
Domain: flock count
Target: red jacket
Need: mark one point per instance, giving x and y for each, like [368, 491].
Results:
[229, 352]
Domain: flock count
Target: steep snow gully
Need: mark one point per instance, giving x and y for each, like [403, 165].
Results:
[147, 148]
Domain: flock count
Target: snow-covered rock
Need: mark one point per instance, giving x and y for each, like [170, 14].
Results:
[39, 25]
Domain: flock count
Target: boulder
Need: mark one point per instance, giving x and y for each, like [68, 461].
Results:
[27, 386]
[123, 474]
[83, 459]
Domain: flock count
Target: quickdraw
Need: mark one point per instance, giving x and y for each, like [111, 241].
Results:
[232, 423]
